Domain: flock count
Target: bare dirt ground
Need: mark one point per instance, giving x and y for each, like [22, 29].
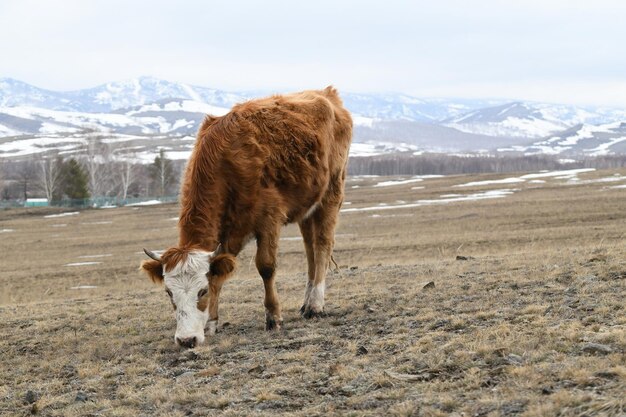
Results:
[488, 299]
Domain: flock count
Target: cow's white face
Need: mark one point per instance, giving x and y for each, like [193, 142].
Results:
[186, 274]
[187, 286]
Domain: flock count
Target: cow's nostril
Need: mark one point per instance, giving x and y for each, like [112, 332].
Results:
[188, 342]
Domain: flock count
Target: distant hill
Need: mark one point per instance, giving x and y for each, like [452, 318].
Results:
[139, 115]
[582, 139]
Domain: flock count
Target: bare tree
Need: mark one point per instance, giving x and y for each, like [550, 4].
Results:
[126, 174]
[49, 176]
[97, 163]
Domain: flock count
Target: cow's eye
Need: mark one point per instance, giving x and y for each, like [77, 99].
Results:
[167, 290]
[202, 292]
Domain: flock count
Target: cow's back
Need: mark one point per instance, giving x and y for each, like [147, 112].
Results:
[274, 155]
[287, 148]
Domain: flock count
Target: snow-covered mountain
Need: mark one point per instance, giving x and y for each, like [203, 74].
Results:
[142, 113]
[14, 93]
[145, 90]
[429, 137]
[174, 117]
[582, 139]
[112, 96]
[530, 120]
[405, 107]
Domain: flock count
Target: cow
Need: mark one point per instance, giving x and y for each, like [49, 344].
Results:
[266, 163]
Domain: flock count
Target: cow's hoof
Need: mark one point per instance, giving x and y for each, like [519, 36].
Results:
[211, 327]
[272, 324]
[308, 313]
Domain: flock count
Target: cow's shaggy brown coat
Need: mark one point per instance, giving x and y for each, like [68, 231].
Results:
[266, 163]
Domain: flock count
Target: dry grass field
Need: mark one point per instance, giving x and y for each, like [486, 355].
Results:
[490, 299]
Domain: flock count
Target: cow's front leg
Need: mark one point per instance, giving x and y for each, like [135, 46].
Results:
[215, 286]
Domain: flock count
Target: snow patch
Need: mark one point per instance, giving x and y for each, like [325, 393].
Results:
[512, 180]
[566, 173]
[470, 197]
[71, 213]
[397, 182]
[379, 148]
[145, 203]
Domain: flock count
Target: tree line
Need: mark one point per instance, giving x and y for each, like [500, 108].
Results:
[443, 164]
[93, 175]
[96, 173]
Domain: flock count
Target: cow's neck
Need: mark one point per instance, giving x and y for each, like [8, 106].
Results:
[202, 200]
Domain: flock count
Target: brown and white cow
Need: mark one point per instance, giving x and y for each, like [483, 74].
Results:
[266, 163]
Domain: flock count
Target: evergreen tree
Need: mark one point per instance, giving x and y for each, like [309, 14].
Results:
[75, 180]
[162, 173]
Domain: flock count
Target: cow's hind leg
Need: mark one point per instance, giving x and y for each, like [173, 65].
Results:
[324, 220]
[307, 229]
[267, 246]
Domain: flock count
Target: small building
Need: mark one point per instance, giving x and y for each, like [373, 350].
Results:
[36, 202]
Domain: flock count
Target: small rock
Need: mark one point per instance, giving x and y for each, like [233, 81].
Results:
[362, 350]
[81, 397]
[367, 308]
[514, 359]
[31, 397]
[186, 375]
[179, 372]
[596, 348]
[354, 268]
[257, 369]
[428, 285]
[546, 390]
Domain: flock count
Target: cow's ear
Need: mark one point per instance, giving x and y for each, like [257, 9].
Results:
[154, 269]
[222, 264]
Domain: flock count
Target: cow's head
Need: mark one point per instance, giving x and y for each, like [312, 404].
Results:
[190, 277]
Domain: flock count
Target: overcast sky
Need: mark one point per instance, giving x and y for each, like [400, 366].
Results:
[566, 51]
